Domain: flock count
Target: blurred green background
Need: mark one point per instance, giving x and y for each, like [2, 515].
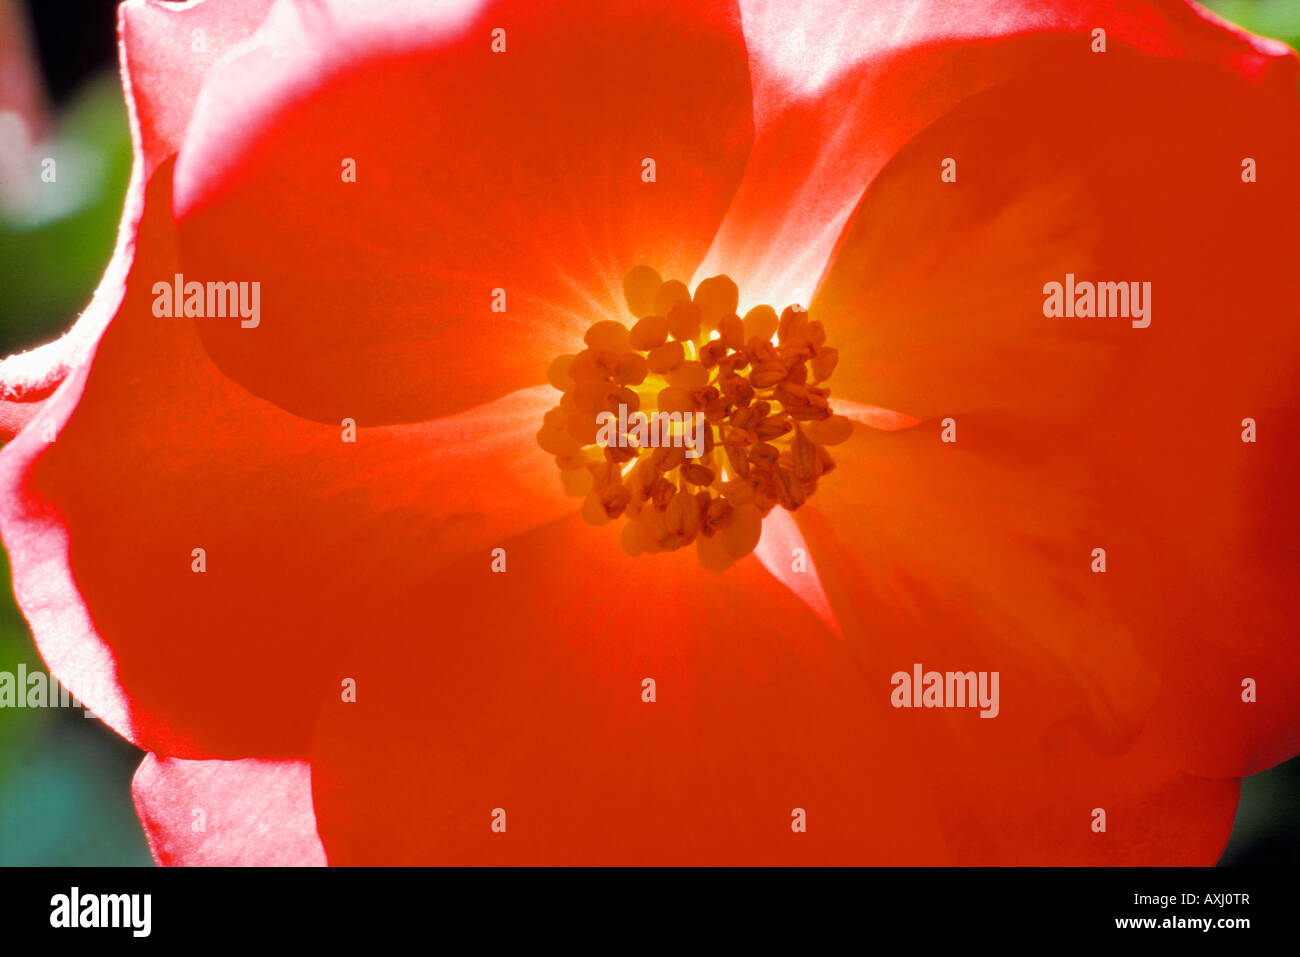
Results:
[65, 795]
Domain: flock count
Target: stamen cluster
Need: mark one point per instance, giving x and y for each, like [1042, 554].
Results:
[753, 388]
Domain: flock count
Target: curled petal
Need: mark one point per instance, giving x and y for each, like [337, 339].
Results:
[167, 51]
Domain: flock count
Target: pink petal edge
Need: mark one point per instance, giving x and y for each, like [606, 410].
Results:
[250, 812]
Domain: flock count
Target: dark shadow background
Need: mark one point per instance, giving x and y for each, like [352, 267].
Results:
[64, 778]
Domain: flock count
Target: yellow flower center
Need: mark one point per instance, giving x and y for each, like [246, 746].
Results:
[694, 423]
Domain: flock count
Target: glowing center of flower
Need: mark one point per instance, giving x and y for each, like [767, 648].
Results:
[695, 423]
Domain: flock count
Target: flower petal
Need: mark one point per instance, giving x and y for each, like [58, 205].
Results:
[526, 694]
[1064, 803]
[302, 531]
[939, 289]
[228, 813]
[938, 297]
[1122, 583]
[522, 171]
[839, 87]
[975, 557]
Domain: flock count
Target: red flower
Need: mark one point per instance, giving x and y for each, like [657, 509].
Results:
[795, 147]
